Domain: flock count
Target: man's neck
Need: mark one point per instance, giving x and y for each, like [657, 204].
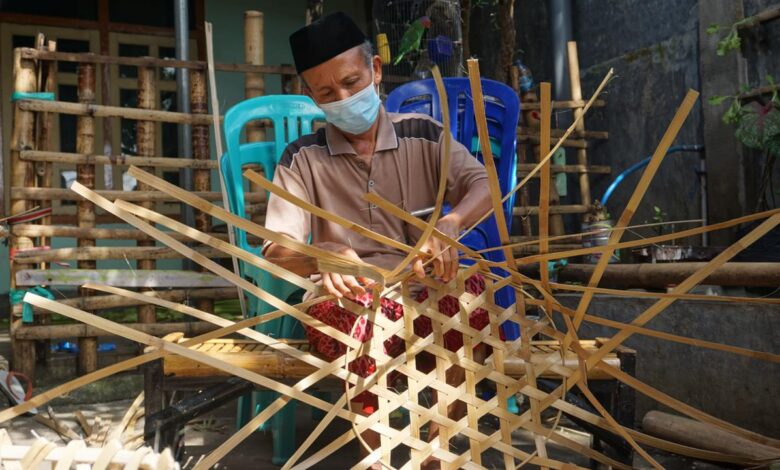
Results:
[365, 143]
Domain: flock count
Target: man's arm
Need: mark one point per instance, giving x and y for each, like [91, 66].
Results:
[340, 285]
[471, 207]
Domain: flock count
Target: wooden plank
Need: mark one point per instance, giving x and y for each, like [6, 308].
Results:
[118, 277]
[576, 94]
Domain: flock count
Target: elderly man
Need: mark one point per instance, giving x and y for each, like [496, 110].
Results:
[363, 149]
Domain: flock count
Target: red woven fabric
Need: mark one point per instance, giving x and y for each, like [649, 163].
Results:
[343, 320]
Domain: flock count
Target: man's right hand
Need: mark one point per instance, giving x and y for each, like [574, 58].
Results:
[343, 285]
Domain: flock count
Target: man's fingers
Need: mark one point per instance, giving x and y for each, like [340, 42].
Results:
[338, 283]
[326, 281]
[454, 263]
[353, 285]
[417, 267]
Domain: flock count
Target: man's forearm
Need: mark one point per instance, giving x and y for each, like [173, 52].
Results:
[291, 260]
[474, 204]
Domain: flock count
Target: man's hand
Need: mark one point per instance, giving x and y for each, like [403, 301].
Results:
[343, 285]
[446, 265]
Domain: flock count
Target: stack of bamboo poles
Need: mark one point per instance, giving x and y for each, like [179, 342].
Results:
[406, 444]
[33, 156]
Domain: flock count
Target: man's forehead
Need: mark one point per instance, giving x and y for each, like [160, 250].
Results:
[347, 63]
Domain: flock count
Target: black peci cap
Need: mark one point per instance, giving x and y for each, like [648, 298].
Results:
[324, 39]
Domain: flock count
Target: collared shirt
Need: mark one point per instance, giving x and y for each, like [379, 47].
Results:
[323, 169]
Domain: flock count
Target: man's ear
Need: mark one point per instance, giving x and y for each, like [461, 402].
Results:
[377, 66]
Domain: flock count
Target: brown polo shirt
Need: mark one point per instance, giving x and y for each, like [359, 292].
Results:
[323, 169]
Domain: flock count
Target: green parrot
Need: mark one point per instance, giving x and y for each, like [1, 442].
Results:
[412, 38]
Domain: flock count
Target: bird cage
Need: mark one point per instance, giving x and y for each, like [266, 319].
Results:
[415, 34]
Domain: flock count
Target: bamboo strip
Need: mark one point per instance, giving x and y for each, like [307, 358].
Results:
[576, 94]
[218, 141]
[194, 200]
[443, 175]
[636, 197]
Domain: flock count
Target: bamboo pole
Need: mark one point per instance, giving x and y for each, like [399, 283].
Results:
[524, 168]
[254, 85]
[663, 275]
[21, 192]
[23, 352]
[29, 53]
[65, 231]
[101, 111]
[104, 302]
[81, 331]
[527, 118]
[92, 253]
[43, 170]
[201, 179]
[145, 142]
[576, 94]
[566, 209]
[119, 160]
[85, 144]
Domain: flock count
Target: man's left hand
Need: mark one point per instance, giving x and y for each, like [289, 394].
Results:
[446, 262]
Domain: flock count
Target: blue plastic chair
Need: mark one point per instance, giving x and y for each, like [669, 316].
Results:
[292, 116]
[502, 108]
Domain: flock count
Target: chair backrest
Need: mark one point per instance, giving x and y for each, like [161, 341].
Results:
[502, 108]
[292, 116]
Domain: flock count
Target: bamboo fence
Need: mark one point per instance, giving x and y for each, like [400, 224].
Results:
[34, 184]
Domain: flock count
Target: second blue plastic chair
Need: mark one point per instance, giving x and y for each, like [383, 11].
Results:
[502, 108]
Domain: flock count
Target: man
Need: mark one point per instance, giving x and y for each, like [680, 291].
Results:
[365, 149]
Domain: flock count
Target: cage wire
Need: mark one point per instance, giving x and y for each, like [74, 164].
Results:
[441, 43]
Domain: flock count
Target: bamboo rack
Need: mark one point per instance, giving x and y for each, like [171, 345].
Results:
[34, 158]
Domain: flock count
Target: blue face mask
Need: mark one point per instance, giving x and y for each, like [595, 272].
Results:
[356, 114]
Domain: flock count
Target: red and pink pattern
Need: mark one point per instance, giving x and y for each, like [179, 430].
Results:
[343, 320]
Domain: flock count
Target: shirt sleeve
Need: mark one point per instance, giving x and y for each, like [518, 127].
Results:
[464, 171]
[284, 217]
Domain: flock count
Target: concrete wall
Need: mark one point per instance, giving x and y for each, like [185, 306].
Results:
[738, 389]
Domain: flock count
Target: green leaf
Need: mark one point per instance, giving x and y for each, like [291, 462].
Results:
[734, 113]
[744, 88]
[713, 28]
[770, 79]
[716, 100]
